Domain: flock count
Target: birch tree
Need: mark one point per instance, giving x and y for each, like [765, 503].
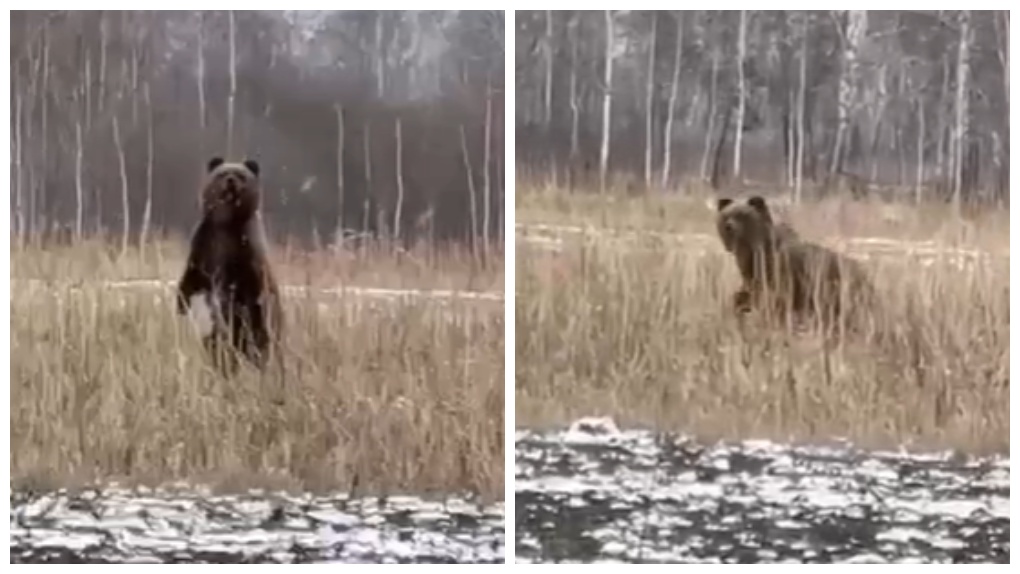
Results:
[738, 137]
[607, 102]
[674, 85]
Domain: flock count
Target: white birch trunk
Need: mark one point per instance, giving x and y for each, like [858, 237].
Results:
[79, 187]
[124, 203]
[472, 192]
[667, 136]
[339, 175]
[150, 160]
[607, 103]
[398, 212]
[962, 105]
[233, 84]
[575, 111]
[706, 153]
[201, 71]
[801, 104]
[742, 95]
[486, 162]
[547, 95]
[649, 95]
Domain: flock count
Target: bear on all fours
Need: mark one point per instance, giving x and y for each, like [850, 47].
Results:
[784, 274]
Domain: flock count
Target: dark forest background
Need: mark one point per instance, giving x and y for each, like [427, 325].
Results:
[914, 101]
[380, 123]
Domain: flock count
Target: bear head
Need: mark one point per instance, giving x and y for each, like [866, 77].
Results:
[231, 194]
[745, 224]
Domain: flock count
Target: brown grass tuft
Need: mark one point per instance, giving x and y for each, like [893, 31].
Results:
[383, 396]
[637, 326]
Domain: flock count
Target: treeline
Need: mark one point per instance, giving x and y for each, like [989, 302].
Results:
[914, 101]
[366, 123]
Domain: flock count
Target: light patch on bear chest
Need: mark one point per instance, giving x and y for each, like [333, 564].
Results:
[204, 312]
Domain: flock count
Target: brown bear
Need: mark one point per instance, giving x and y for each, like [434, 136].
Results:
[784, 274]
[228, 279]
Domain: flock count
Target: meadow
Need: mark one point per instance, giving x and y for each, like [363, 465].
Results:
[390, 386]
[622, 310]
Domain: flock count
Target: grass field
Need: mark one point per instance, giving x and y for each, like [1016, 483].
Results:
[622, 310]
[383, 394]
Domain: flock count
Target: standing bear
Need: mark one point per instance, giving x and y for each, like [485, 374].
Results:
[785, 275]
[228, 278]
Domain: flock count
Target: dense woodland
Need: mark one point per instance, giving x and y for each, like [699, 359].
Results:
[380, 123]
[915, 103]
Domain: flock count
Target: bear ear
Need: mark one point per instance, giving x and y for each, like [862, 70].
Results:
[214, 163]
[758, 202]
[253, 166]
[723, 203]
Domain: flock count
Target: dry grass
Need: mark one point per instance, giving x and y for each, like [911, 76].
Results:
[375, 264]
[382, 395]
[638, 328]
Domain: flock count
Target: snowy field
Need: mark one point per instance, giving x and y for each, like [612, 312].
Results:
[192, 526]
[594, 493]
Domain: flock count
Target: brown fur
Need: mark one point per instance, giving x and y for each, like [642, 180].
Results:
[228, 266]
[785, 274]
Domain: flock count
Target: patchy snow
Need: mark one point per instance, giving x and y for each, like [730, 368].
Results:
[120, 525]
[595, 492]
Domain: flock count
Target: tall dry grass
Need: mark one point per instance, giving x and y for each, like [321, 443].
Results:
[638, 326]
[370, 263]
[382, 395]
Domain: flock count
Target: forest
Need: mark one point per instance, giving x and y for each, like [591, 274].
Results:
[912, 103]
[366, 123]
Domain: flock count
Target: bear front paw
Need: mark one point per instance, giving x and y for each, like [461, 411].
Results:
[742, 301]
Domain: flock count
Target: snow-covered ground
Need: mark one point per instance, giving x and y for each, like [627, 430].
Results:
[595, 493]
[190, 525]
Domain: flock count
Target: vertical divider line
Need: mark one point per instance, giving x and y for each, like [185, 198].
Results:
[509, 297]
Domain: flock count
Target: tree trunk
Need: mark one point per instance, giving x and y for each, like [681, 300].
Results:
[547, 94]
[398, 212]
[201, 71]
[368, 203]
[79, 188]
[607, 102]
[231, 98]
[919, 181]
[962, 127]
[124, 203]
[738, 137]
[150, 160]
[712, 106]
[801, 112]
[472, 195]
[856, 28]
[39, 207]
[667, 136]
[486, 166]
[649, 95]
[575, 112]
[102, 59]
[18, 156]
[339, 175]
